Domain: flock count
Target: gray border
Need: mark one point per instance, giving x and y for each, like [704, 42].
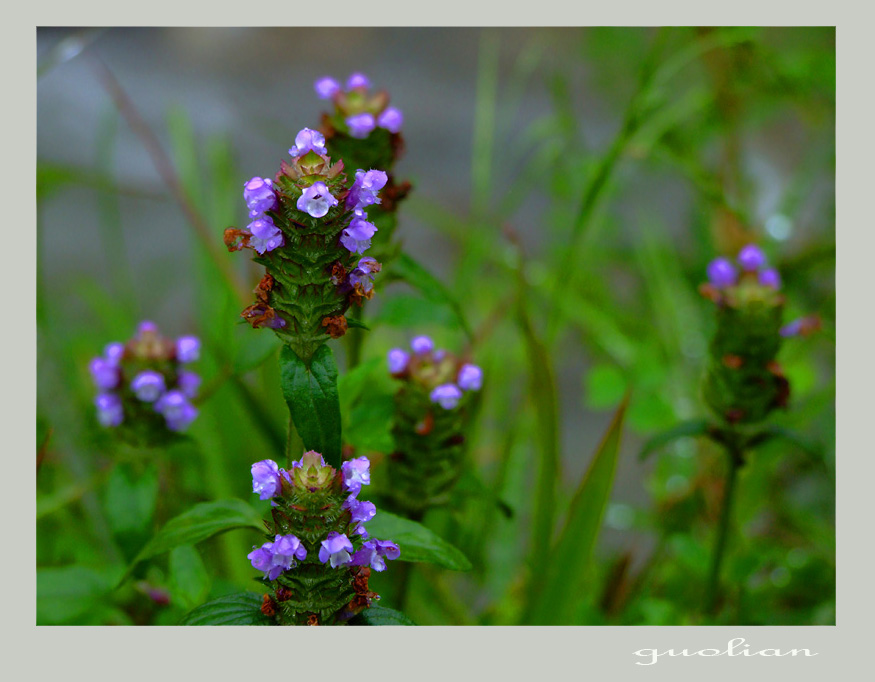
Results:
[429, 653]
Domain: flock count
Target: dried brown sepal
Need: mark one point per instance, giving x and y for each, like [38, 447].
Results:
[283, 594]
[709, 291]
[258, 314]
[358, 295]
[335, 326]
[424, 427]
[732, 361]
[268, 608]
[263, 289]
[235, 239]
[312, 619]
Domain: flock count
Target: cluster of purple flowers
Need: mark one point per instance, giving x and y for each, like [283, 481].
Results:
[337, 549]
[438, 367]
[316, 200]
[723, 274]
[147, 372]
[362, 116]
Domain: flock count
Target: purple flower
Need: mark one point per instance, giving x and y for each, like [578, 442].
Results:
[269, 244]
[470, 378]
[148, 385]
[335, 550]
[391, 119]
[262, 558]
[365, 188]
[446, 395]
[793, 328]
[422, 345]
[398, 360]
[361, 511]
[263, 227]
[770, 278]
[357, 80]
[146, 327]
[721, 273]
[109, 409]
[114, 353]
[176, 409]
[259, 195]
[266, 479]
[375, 553]
[308, 140]
[104, 373]
[285, 549]
[326, 87]
[188, 348]
[357, 237]
[364, 272]
[188, 383]
[316, 200]
[361, 125]
[751, 258]
[356, 473]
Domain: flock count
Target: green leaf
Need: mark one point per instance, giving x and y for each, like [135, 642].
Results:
[381, 615]
[243, 608]
[605, 386]
[311, 394]
[64, 594]
[417, 543]
[693, 427]
[564, 578]
[189, 580]
[431, 287]
[197, 524]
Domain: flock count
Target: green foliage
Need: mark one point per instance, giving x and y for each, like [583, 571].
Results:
[243, 608]
[310, 390]
[381, 615]
[417, 543]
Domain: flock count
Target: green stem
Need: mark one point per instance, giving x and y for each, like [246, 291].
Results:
[354, 340]
[713, 586]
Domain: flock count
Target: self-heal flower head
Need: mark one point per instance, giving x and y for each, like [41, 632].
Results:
[361, 511]
[308, 140]
[391, 119]
[374, 554]
[769, 278]
[470, 378]
[326, 87]
[422, 345]
[259, 195]
[398, 360]
[357, 237]
[721, 273]
[356, 473]
[357, 80]
[335, 550]
[104, 373]
[177, 411]
[361, 125]
[188, 348]
[188, 383]
[109, 409]
[446, 395]
[751, 258]
[148, 386]
[316, 200]
[266, 479]
[364, 190]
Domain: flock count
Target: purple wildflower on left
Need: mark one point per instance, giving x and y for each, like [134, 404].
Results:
[316, 535]
[144, 393]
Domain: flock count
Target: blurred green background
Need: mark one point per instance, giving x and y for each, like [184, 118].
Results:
[570, 186]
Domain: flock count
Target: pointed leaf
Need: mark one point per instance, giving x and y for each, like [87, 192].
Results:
[381, 615]
[311, 394]
[417, 543]
[197, 524]
[565, 572]
[243, 608]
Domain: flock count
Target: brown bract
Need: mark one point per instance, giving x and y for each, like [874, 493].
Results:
[235, 239]
[335, 326]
